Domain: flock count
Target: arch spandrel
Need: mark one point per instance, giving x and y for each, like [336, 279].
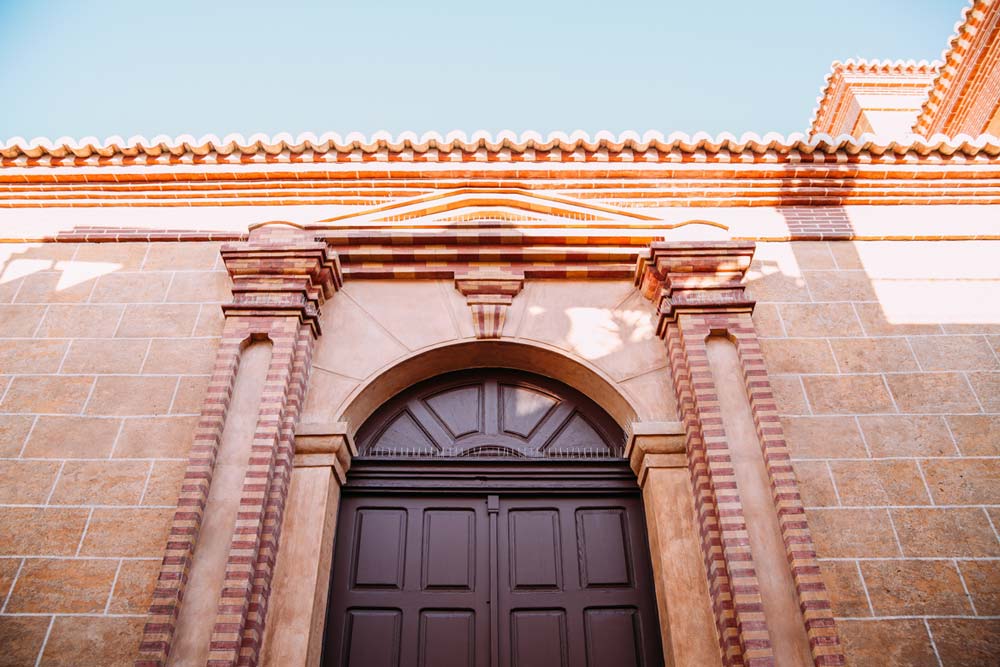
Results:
[336, 398]
[596, 336]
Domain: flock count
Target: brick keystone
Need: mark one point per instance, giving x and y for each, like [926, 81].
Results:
[489, 292]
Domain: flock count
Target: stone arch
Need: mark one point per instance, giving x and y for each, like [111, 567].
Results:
[464, 354]
[380, 336]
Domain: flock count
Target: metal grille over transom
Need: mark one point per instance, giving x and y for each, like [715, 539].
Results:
[491, 413]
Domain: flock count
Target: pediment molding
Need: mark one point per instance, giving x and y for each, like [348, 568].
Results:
[487, 204]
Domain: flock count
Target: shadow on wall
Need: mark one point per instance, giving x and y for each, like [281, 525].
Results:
[884, 357]
[49, 269]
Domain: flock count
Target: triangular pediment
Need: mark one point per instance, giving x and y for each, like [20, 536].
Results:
[477, 205]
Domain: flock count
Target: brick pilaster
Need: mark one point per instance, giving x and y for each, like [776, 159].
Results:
[281, 277]
[698, 290]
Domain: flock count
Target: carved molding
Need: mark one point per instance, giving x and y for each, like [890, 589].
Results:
[281, 271]
[656, 445]
[325, 445]
[695, 277]
[489, 292]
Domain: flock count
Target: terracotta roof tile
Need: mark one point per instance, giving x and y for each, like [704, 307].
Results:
[381, 146]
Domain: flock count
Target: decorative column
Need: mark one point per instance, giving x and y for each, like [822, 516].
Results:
[240, 463]
[751, 517]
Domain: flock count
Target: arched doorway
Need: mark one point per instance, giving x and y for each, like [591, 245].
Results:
[490, 519]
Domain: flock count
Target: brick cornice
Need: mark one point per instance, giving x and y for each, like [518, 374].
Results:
[695, 277]
[281, 271]
[963, 80]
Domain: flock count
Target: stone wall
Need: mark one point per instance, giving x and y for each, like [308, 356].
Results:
[104, 357]
[885, 357]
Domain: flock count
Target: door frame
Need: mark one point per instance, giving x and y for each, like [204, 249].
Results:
[501, 475]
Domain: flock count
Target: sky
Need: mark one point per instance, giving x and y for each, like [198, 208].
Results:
[102, 68]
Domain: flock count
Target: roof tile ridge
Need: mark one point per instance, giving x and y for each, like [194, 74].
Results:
[951, 57]
[886, 65]
[752, 142]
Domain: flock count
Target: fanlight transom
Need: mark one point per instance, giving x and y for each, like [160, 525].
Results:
[491, 413]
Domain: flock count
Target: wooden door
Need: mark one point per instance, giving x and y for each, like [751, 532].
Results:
[575, 583]
[410, 583]
[506, 579]
[491, 521]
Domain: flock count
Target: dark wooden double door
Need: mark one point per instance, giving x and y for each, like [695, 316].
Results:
[502, 577]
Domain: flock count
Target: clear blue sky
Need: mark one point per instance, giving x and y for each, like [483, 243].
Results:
[131, 67]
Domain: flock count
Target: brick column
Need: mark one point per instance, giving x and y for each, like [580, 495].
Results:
[698, 291]
[281, 276]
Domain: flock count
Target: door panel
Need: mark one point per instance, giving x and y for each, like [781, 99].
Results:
[374, 637]
[581, 555]
[535, 549]
[447, 638]
[603, 547]
[566, 577]
[380, 546]
[538, 638]
[426, 583]
[449, 550]
[614, 636]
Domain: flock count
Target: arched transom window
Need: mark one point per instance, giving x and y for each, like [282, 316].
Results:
[491, 413]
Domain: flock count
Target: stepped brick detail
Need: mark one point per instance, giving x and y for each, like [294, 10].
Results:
[489, 294]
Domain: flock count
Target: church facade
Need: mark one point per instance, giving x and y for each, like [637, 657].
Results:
[513, 400]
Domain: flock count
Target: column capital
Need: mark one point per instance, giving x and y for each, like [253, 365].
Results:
[695, 277]
[655, 445]
[281, 271]
[325, 445]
